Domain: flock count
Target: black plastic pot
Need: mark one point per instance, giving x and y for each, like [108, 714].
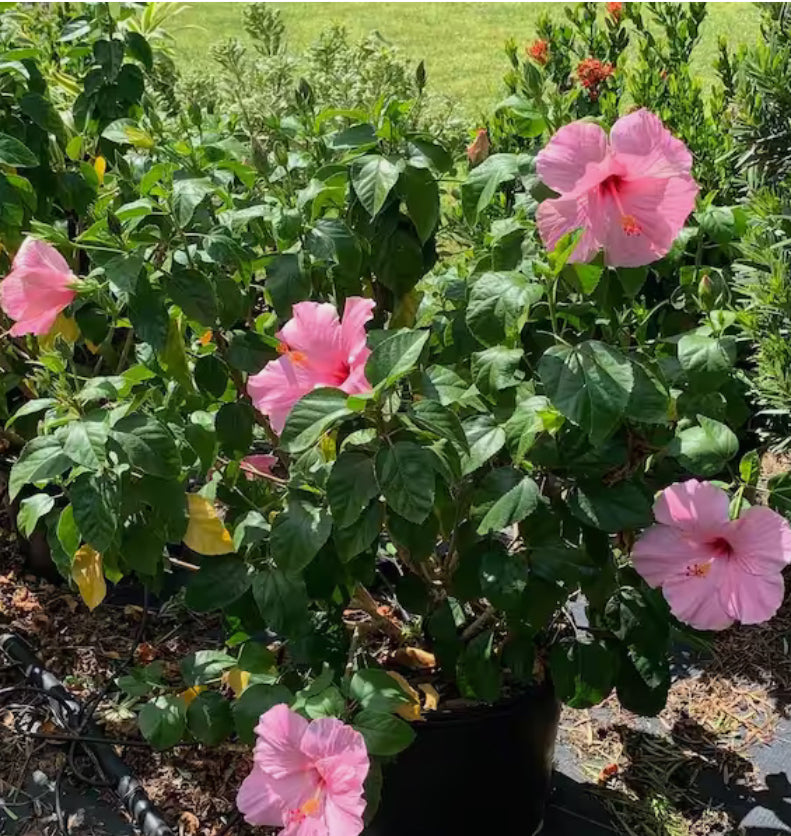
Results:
[481, 771]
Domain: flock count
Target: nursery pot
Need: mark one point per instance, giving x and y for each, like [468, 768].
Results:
[482, 770]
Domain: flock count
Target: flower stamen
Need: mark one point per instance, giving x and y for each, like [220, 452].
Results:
[698, 570]
[630, 226]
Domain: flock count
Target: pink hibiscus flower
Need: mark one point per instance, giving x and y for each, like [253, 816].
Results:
[307, 776]
[258, 466]
[631, 195]
[39, 286]
[714, 570]
[316, 350]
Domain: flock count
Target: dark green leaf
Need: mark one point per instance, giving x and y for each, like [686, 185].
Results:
[497, 368]
[373, 178]
[234, 426]
[209, 718]
[148, 445]
[384, 734]
[282, 600]
[611, 508]
[376, 690]
[298, 533]
[255, 701]
[211, 375]
[220, 581]
[40, 460]
[311, 417]
[163, 721]
[31, 510]
[14, 153]
[704, 450]
[503, 498]
[583, 672]
[194, 293]
[96, 507]
[204, 666]
[287, 282]
[499, 305]
[419, 191]
[478, 671]
[395, 356]
[439, 420]
[406, 476]
[351, 486]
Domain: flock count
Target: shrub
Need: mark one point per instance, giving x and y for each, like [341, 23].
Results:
[260, 383]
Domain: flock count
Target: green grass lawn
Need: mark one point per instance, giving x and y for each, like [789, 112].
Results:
[461, 43]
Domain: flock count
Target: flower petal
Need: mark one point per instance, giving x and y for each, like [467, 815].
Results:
[660, 207]
[693, 506]
[752, 599]
[644, 147]
[695, 599]
[338, 752]
[664, 552]
[558, 216]
[277, 750]
[344, 814]
[356, 312]
[257, 801]
[276, 388]
[35, 254]
[575, 159]
[315, 330]
[761, 541]
[254, 467]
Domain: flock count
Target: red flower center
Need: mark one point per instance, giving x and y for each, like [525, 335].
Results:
[720, 546]
[611, 186]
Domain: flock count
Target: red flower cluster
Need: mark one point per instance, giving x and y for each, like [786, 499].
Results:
[591, 72]
[538, 51]
[615, 10]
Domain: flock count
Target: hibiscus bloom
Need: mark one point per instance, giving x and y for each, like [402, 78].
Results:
[39, 286]
[257, 466]
[478, 149]
[631, 195]
[615, 10]
[307, 777]
[315, 350]
[714, 570]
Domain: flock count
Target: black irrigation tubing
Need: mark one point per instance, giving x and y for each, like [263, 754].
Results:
[71, 716]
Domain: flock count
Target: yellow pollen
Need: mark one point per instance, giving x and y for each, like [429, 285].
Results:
[630, 225]
[310, 807]
[298, 358]
[698, 570]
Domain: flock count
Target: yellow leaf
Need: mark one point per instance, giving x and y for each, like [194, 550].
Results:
[409, 711]
[432, 696]
[236, 679]
[206, 533]
[89, 577]
[92, 347]
[189, 695]
[100, 166]
[65, 327]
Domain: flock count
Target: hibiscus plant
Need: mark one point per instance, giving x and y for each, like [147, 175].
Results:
[244, 379]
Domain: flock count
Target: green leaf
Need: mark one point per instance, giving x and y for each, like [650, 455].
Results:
[706, 360]
[139, 681]
[250, 352]
[281, 600]
[30, 408]
[331, 240]
[149, 314]
[67, 532]
[524, 425]
[234, 426]
[211, 375]
[256, 658]
[194, 293]
[478, 672]
[428, 152]
[750, 468]
[329, 703]
[255, 701]
[220, 581]
[123, 271]
[503, 578]
[357, 136]
[704, 450]
[395, 356]
[643, 682]
[499, 305]
[376, 690]
[85, 443]
[590, 383]
[43, 113]
[497, 368]
[142, 548]
[483, 181]
[439, 420]
[287, 282]
[147, 445]
[406, 476]
[649, 401]
[187, 196]
[139, 48]
[209, 718]
[583, 672]
[31, 510]
[611, 508]
[484, 438]
[359, 536]
[780, 493]
[373, 178]
[41, 459]
[204, 666]
[96, 507]
[420, 192]
[298, 533]
[504, 497]
[351, 486]
[311, 417]
[418, 540]
[384, 734]
[14, 153]
[163, 721]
